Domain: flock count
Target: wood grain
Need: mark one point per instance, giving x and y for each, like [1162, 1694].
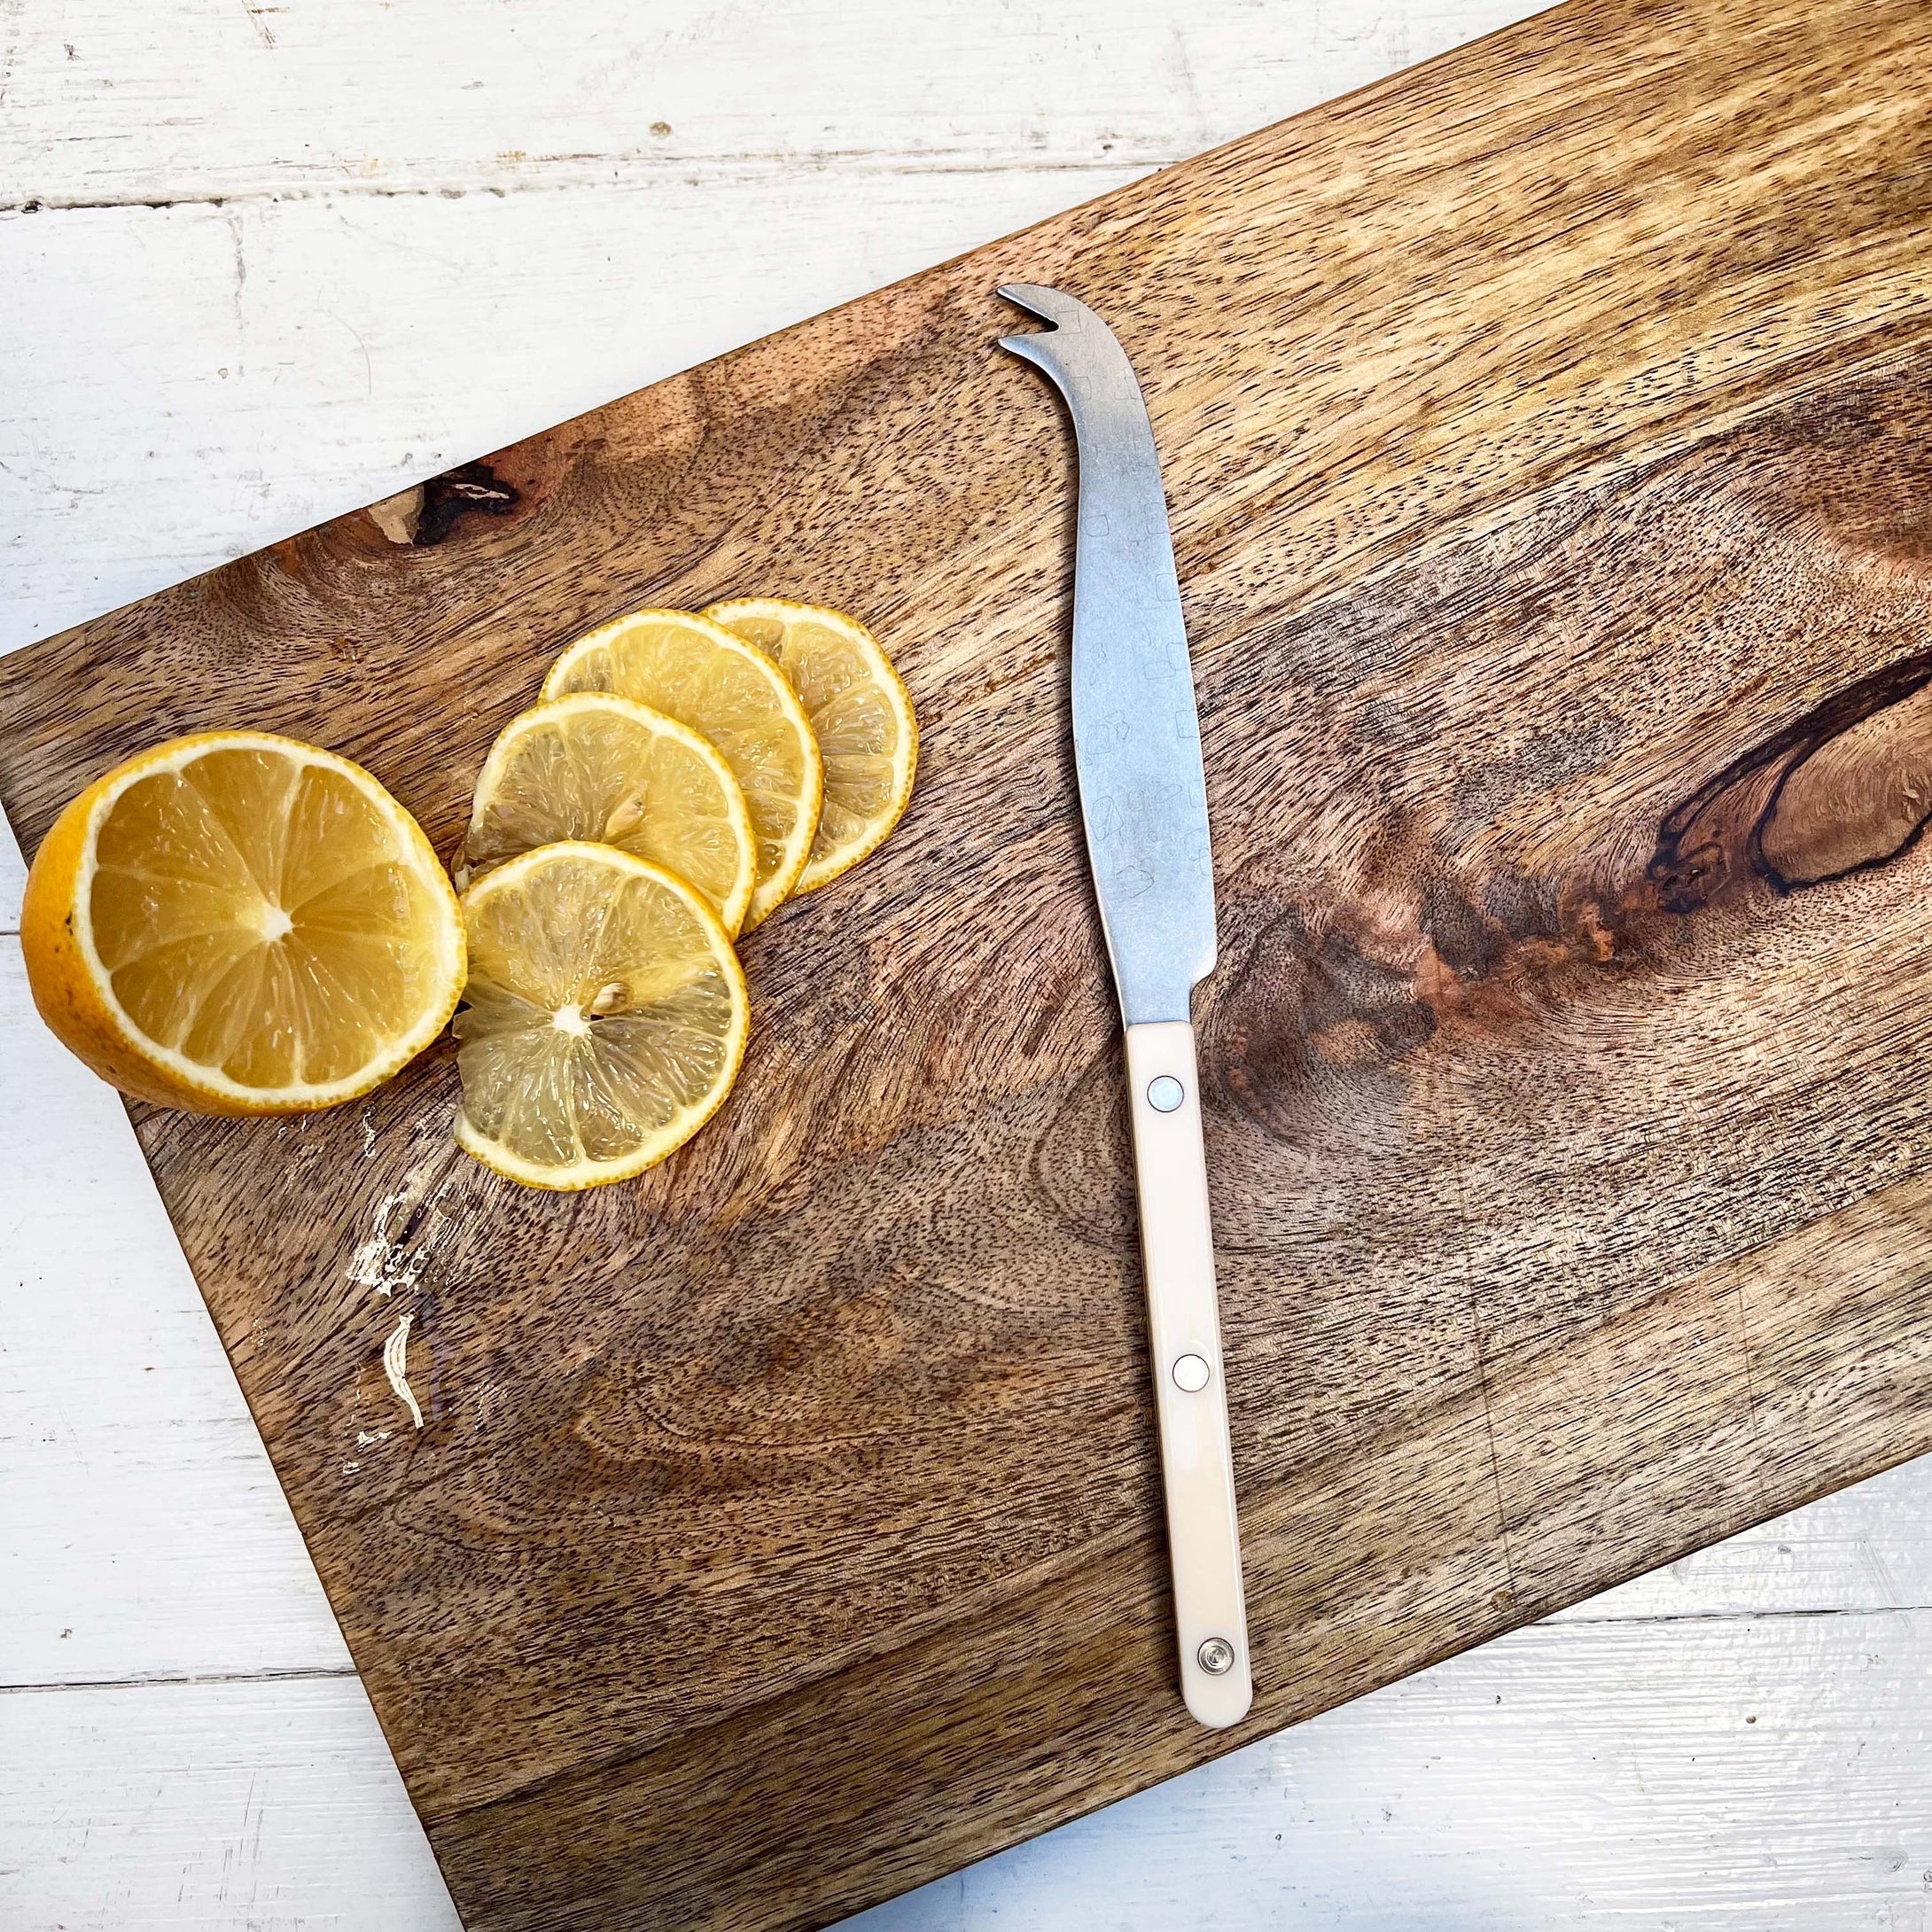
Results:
[1546, 436]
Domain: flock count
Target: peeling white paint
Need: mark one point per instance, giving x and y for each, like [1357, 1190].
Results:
[395, 1353]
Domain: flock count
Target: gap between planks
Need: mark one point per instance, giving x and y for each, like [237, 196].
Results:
[163, 1682]
[1555, 1625]
[726, 172]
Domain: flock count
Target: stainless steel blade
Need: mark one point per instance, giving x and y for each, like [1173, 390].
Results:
[1136, 736]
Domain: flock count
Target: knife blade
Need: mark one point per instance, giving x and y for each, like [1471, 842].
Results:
[1143, 803]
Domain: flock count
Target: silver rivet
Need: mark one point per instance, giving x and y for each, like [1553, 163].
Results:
[1165, 1093]
[1191, 1373]
[1217, 1657]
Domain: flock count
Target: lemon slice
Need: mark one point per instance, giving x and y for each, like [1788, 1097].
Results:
[604, 1018]
[861, 715]
[699, 672]
[596, 766]
[237, 924]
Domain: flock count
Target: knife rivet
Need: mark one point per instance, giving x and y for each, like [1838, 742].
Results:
[1165, 1093]
[1217, 1657]
[1191, 1373]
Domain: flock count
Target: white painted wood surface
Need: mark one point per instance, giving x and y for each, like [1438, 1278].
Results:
[269, 262]
[265, 262]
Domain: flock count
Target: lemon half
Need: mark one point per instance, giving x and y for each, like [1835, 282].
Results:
[239, 923]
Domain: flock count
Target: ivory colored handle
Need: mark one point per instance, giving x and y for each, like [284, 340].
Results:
[1197, 1463]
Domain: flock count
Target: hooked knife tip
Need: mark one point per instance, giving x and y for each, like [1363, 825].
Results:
[1026, 295]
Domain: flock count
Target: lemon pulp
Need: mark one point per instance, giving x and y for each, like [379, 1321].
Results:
[605, 1015]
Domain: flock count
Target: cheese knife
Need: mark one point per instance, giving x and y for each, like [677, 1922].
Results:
[1143, 800]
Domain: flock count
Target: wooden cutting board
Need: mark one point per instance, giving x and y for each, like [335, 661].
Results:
[1549, 438]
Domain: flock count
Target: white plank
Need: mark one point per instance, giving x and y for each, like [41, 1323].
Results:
[143, 1532]
[1869, 1547]
[1745, 1774]
[265, 1807]
[306, 320]
[1754, 1775]
[12, 877]
[214, 379]
[200, 99]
